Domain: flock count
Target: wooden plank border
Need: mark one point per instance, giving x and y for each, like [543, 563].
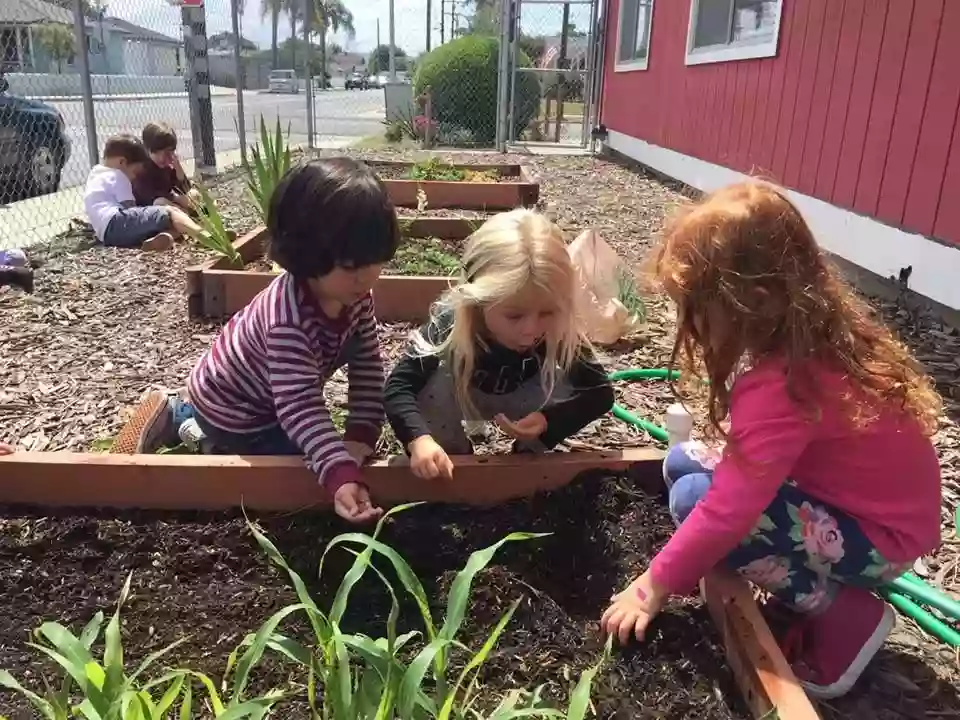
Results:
[524, 192]
[217, 482]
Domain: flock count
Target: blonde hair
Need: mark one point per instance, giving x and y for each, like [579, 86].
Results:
[508, 253]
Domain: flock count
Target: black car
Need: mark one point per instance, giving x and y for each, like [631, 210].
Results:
[34, 147]
[357, 81]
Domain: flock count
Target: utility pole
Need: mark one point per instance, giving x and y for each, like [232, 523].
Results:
[443, 21]
[429, 13]
[393, 45]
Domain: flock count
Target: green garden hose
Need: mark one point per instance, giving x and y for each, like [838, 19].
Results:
[904, 593]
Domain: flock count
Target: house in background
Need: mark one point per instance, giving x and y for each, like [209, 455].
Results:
[20, 47]
[851, 105]
[114, 46]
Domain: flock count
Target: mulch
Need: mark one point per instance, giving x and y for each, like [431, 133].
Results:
[105, 325]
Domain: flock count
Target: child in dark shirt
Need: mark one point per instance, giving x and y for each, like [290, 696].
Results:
[163, 180]
[503, 345]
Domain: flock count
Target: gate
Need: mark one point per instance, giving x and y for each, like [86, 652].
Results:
[560, 107]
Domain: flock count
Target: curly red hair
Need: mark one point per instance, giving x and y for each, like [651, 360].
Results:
[750, 281]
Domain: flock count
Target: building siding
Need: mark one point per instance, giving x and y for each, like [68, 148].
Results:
[859, 108]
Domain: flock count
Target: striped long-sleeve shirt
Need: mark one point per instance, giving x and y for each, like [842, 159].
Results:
[269, 366]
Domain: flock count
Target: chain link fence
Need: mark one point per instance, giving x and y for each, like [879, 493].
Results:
[75, 72]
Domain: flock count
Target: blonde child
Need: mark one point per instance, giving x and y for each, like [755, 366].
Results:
[503, 345]
[828, 483]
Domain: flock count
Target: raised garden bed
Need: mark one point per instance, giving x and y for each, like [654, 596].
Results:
[490, 187]
[219, 288]
[603, 530]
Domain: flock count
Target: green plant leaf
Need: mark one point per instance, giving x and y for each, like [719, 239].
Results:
[172, 693]
[8, 681]
[215, 702]
[114, 681]
[253, 654]
[339, 682]
[153, 657]
[477, 660]
[580, 697]
[413, 678]
[460, 589]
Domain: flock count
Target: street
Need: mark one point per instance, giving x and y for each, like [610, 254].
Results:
[339, 114]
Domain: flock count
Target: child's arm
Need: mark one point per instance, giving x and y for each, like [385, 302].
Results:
[297, 386]
[407, 380]
[767, 436]
[365, 381]
[592, 397]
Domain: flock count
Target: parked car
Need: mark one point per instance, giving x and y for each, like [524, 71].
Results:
[284, 81]
[357, 81]
[34, 146]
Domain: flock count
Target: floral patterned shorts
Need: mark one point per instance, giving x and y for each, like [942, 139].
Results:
[800, 548]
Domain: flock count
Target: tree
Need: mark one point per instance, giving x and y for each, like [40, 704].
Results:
[331, 16]
[380, 59]
[58, 41]
[273, 8]
[92, 9]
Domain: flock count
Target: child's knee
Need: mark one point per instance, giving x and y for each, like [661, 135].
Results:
[686, 492]
[679, 461]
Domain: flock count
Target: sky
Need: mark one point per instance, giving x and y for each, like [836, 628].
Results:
[410, 19]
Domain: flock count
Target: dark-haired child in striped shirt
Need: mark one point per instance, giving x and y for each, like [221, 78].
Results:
[259, 389]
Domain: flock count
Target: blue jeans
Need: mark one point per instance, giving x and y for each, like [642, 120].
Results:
[130, 227]
[269, 441]
[801, 549]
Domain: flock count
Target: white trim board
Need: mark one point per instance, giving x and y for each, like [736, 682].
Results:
[863, 241]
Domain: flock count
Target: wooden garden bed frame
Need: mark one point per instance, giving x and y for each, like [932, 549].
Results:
[520, 191]
[217, 289]
[204, 482]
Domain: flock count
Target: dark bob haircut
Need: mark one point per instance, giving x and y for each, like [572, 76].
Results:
[330, 213]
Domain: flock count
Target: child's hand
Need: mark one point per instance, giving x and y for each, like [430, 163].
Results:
[428, 460]
[352, 502]
[527, 428]
[6, 449]
[633, 609]
[359, 451]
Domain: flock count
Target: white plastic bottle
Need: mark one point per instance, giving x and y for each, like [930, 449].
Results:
[678, 423]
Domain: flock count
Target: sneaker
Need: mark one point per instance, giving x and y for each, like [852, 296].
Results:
[829, 652]
[158, 243]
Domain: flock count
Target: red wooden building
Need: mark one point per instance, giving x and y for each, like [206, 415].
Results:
[852, 104]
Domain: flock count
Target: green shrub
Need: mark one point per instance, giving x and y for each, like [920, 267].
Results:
[462, 78]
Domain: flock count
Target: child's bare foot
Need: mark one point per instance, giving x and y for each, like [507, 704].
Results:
[162, 241]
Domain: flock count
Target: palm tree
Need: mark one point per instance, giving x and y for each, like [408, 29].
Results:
[294, 10]
[273, 9]
[331, 16]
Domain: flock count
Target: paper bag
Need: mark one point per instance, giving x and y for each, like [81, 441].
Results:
[608, 304]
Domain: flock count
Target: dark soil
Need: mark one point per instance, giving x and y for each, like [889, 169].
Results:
[203, 574]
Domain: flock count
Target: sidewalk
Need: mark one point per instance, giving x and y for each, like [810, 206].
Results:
[214, 92]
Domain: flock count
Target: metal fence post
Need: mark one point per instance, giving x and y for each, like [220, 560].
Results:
[86, 85]
[198, 89]
[308, 10]
[241, 80]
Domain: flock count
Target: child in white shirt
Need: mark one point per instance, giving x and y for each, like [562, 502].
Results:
[110, 206]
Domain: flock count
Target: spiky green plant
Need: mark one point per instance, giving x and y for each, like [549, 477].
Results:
[105, 690]
[215, 236]
[270, 162]
[359, 678]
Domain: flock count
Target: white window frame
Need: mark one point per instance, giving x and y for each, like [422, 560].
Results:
[640, 63]
[729, 52]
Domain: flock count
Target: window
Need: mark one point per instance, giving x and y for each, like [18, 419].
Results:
[722, 30]
[633, 34]
[15, 49]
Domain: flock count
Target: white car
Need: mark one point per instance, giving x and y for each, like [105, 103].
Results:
[284, 81]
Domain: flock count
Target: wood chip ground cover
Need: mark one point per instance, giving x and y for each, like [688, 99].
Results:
[105, 325]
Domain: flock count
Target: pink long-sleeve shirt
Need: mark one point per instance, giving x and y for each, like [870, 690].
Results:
[885, 475]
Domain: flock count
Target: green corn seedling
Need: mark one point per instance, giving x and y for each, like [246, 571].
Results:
[271, 160]
[361, 678]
